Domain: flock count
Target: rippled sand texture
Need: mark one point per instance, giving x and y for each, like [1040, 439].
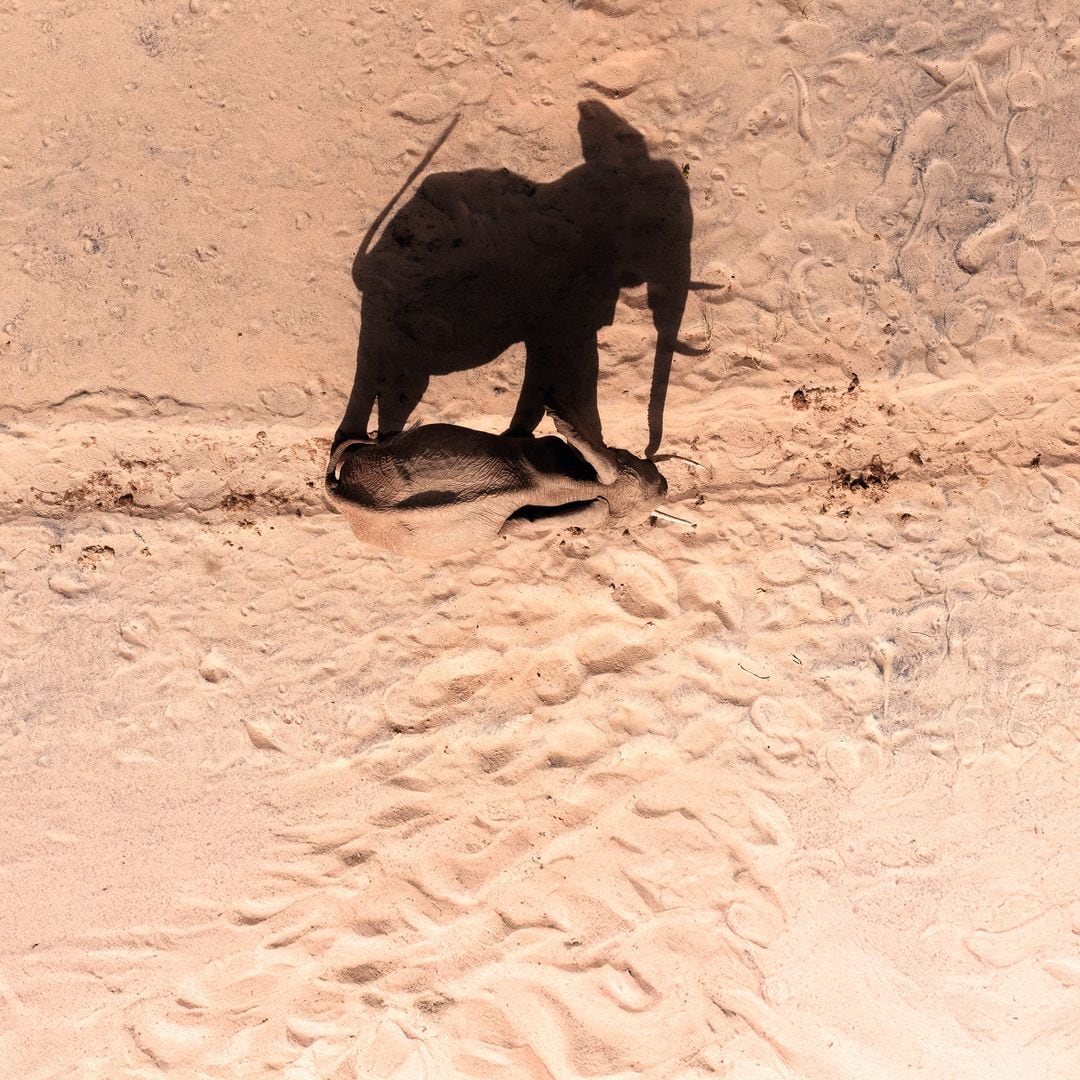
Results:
[789, 794]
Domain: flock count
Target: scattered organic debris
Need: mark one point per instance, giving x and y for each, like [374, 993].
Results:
[824, 398]
[873, 478]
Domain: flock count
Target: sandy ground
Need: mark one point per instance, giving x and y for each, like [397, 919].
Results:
[792, 793]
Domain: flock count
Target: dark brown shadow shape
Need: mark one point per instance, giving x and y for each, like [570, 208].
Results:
[476, 261]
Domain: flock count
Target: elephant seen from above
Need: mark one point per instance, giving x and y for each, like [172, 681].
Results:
[439, 489]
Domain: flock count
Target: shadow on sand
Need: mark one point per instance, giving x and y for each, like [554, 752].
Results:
[477, 261]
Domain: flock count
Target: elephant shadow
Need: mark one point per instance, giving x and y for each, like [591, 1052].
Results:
[480, 260]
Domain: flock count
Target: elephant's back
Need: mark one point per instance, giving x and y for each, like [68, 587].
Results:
[431, 465]
[434, 491]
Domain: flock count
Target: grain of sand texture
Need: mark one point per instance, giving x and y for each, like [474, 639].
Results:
[791, 792]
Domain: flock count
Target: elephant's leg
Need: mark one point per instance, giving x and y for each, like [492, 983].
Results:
[586, 515]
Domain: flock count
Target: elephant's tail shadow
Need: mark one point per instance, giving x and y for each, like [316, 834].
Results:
[422, 164]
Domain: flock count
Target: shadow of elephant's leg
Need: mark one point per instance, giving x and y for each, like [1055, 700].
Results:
[530, 406]
[571, 390]
[397, 398]
[354, 423]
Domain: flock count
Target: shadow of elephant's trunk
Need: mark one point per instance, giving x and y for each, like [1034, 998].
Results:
[658, 395]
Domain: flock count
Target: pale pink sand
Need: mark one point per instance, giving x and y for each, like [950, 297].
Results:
[791, 794]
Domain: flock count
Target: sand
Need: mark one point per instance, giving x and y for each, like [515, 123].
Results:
[788, 792]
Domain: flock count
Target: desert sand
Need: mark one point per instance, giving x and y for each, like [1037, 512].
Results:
[790, 791]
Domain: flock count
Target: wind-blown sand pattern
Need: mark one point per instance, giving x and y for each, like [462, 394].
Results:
[789, 793]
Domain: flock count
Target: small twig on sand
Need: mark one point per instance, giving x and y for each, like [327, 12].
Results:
[671, 517]
[754, 673]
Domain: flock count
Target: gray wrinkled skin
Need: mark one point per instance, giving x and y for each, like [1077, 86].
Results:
[440, 489]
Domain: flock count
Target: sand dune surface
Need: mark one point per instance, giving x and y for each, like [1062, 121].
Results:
[787, 791]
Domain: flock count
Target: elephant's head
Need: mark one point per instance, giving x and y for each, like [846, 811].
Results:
[636, 489]
[631, 486]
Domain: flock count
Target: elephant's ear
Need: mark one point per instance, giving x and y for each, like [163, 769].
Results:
[607, 137]
[597, 455]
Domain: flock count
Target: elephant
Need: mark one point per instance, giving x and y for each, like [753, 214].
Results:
[477, 261]
[440, 489]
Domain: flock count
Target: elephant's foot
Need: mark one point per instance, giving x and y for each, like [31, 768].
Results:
[524, 424]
